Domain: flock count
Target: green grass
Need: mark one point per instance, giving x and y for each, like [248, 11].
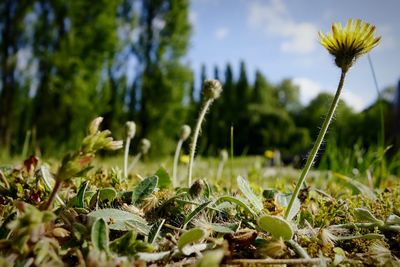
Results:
[327, 226]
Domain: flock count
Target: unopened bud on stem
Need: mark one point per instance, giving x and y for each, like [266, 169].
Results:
[185, 132]
[144, 146]
[212, 89]
[130, 129]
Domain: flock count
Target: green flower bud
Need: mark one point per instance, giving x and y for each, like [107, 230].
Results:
[94, 125]
[224, 155]
[196, 188]
[212, 89]
[144, 146]
[130, 129]
[185, 132]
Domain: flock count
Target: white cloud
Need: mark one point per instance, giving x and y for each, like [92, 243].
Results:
[309, 89]
[221, 33]
[388, 38]
[357, 102]
[272, 18]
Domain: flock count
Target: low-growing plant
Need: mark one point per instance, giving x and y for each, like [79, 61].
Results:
[130, 133]
[74, 164]
[346, 45]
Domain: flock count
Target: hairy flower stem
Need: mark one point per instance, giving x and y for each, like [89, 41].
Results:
[203, 112]
[317, 144]
[126, 155]
[299, 249]
[134, 161]
[176, 158]
[220, 169]
[53, 195]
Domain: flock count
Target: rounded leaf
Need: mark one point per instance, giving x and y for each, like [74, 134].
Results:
[278, 227]
[190, 236]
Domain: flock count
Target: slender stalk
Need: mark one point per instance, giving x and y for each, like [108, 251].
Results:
[271, 262]
[381, 138]
[195, 137]
[53, 195]
[231, 159]
[299, 249]
[46, 180]
[176, 158]
[134, 161]
[317, 144]
[26, 144]
[220, 169]
[126, 155]
[382, 117]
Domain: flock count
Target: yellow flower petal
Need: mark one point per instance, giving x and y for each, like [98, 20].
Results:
[347, 43]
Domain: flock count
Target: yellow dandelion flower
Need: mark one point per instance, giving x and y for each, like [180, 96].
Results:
[269, 154]
[184, 159]
[347, 44]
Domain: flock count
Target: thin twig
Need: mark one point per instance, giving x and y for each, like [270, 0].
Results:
[266, 262]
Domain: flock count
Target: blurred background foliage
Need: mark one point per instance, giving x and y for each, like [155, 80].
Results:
[62, 63]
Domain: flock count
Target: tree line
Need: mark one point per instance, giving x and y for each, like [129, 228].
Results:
[62, 63]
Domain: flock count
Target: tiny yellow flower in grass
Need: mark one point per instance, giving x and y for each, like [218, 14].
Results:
[348, 43]
[184, 159]
[269, 154]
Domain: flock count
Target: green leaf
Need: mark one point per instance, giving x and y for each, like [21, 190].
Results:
[207, 190]
[144, 188]
[196, 248]
[238, 202]
[195, 212]
[121, 220]
[150, 257]
[270, 193]
[129, 245]
[225, 229]
[277, 226]
[393, 219]
[108, 193]
[99, 235]
[364, 215]
[366, 236]
[356, 186]
[80, 196]
[125, 244]
[211, 258]
[155, 231]
[164, 180]
[4, 230]
[244, 186]
[284, 199]
[191, 236]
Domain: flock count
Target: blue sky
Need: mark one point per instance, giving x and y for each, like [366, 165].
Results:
[279, 38]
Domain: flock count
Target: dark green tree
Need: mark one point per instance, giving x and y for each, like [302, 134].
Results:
[163, 77]
[263, 93]
[72, 58]
[12, 93]
[288, 95]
